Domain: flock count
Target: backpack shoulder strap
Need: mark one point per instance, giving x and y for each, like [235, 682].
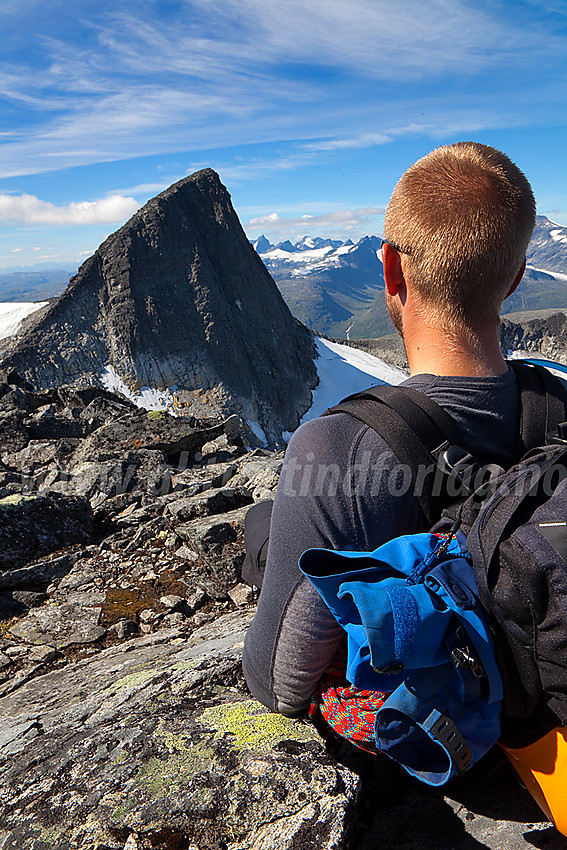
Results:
[415, 428]
[543, 404]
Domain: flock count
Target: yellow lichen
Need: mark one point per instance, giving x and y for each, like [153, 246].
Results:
[50, 834]
[186, 759]
[174, 743]
[133, 680]
[253, 727]
[14, 499]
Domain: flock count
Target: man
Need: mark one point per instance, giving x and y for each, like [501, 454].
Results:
[457, 228]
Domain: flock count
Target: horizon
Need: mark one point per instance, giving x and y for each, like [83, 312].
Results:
[45, 267]
[309, 112]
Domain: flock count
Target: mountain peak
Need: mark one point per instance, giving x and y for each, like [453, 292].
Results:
[177, 297]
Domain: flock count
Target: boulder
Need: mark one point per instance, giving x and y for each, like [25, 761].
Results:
[31, 526]
[155, 744]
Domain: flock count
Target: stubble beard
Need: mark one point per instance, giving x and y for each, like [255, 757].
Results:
[395, 314]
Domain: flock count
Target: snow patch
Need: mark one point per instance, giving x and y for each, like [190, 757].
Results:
[13, 312]
[556, 275]
[258, 431]
[299, 257]
[147, 398]
[558, 235]
[344, 249]
[344, 370]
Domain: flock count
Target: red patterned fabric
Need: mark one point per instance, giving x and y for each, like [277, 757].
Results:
[350, 712]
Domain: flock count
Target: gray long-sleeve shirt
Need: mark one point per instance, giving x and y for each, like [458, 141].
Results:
[343, 488]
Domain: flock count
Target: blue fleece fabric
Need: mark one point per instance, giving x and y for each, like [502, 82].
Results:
[401, 610]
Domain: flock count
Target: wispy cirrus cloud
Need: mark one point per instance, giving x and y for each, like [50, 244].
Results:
[27, 209]
[100, 83]
[364, 140]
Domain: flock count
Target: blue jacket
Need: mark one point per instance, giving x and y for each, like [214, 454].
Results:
[416, 629]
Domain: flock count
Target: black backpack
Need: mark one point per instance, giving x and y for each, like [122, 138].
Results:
[516, 527]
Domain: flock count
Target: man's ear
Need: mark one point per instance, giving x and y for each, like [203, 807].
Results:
[517, 279]
[393, 273]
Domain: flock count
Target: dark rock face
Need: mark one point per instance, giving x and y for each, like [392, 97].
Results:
[177, 297]
[545, 335]
[32, 526]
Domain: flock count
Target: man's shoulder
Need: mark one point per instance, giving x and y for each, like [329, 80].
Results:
[326, 433]
[338, 439]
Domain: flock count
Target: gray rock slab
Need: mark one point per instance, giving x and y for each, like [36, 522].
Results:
[154, 738]
[213, 501]
[156, 744]
[60, 625]
[39, 574]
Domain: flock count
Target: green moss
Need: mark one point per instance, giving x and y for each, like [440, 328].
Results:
[50, 834]
[253, 727]
[155, 414]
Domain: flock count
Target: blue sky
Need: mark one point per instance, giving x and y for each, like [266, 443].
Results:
[309, 110]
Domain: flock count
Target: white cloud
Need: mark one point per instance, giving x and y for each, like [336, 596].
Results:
[339, 221]
[150, 189]
[27, 209]
[383, 38]
[264, 220]
[364, 140]
[17, 250]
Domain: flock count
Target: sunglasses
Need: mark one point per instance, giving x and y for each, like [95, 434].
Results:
[396, 247]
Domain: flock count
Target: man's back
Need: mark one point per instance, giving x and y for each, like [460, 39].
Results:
[342, 488]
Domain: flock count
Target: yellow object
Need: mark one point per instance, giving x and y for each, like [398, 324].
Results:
[542, 767]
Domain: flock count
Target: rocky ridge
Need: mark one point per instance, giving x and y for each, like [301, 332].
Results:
[125, 721]
[177, 298]
[536, 332]
[544, 334]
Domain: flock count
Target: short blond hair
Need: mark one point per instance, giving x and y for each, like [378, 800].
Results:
[464, 214]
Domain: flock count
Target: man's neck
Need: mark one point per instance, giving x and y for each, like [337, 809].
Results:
[434, 351]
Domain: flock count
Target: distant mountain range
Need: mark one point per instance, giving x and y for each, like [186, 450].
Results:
[331, 286]
[337, 288]
[33, 284]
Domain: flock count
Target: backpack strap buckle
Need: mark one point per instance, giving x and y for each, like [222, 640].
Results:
[460, 467]
[441, 728]
[560, 438]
